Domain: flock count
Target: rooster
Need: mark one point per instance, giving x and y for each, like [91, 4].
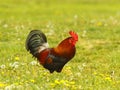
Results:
[52, 59]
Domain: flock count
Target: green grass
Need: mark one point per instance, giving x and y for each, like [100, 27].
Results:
[96, 65]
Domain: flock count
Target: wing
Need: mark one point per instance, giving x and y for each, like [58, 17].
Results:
[55, 63]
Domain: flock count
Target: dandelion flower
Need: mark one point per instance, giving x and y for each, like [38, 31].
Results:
[67, 85]
[2, 84]
[33, 81]
[99, 24]
[2, 72]
[95, 73]
[108, 78]
[17, 58]
[52, 84]
[72, 82]
[57, 82]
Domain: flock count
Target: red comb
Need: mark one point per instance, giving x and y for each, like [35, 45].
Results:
[74, 35]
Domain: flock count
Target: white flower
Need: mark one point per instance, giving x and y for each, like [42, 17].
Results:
[5, 25]
[84, 65]
[14, 65]
[10, 87]
[84, 33]
[14, 87]
[33, 63]
[2, 66]
[75, 16]
[51, 32]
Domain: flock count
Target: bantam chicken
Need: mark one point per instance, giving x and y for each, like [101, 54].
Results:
[52, 59]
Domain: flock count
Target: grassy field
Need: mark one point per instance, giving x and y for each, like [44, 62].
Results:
[96, 65]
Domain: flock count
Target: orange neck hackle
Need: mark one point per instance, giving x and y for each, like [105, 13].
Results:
[67, 46]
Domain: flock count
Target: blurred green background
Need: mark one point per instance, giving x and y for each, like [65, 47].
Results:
[96, 65]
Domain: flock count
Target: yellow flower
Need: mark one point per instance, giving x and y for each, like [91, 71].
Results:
[99, 24]
[17, 58]
[2, 72]
[108, 78]
[62, 81]
[16, 83]
[2, 84]
[52, 84]
[33, 81]
[18, 78]
[57, 82]
[67, 85]
[21, 83]
[72, 82]
[95, 73]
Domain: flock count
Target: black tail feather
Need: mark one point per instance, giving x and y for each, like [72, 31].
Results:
[35, 41]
